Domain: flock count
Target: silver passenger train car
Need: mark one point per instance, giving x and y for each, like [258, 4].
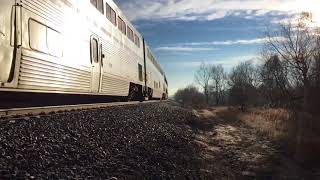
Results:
[75, 47]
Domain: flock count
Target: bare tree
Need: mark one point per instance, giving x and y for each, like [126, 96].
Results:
[296, 48]
[218, 77]
[316, 64]
[315, 95]
[243, 84]
[275, 84]
[202, 78]
[244, 73]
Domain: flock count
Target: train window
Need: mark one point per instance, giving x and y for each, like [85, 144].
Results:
[130, 34]
[54, 41]
[94, 50]
[38, 36]
[98, 4]
[122, 25]
[94, 2]
[149, 55]
[124, 30]
[113, 17]
[111, 14]
[44, 39]
[137, 40]
[140, 72]
[108, 11]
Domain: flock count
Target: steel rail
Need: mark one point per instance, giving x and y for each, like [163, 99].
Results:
[45, 110]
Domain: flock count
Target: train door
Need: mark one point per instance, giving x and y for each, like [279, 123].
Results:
[96, 58]
[10, 39]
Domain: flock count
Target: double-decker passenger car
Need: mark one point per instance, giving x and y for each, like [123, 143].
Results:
[75, 47]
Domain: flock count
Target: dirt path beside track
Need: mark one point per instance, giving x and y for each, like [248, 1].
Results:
[233, 150]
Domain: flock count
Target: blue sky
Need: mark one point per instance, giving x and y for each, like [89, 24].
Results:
[185, 33]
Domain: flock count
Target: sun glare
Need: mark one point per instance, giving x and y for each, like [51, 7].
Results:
[310, 6]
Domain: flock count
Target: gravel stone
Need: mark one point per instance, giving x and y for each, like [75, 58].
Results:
[145, 141]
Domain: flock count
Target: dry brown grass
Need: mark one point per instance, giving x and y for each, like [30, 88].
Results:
[274, 122]
[298, 132]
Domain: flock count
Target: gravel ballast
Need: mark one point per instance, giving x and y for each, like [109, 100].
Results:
[145, 141]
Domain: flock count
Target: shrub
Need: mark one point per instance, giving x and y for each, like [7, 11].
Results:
[190, 96]
[297, 131]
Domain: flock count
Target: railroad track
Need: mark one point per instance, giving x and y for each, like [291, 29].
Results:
[45, 110]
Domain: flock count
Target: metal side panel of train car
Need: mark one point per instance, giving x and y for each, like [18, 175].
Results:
[52, 56]
[38, 52]
[155, 78]
[121, 57]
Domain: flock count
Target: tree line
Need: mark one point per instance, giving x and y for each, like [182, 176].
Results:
[288, 73]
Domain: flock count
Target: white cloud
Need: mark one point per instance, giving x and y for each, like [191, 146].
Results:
[233, 61]
[182, 49]
[205, 10]
[228, 42]
[227, 62]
